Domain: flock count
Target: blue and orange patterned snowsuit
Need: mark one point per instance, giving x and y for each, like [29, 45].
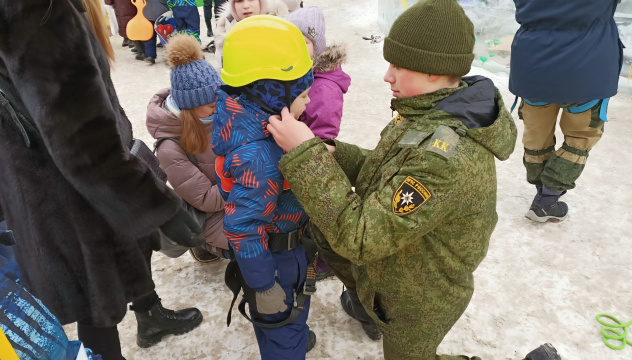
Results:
[258, 203]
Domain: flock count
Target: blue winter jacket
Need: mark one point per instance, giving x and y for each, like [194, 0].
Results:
[565, 51]
[258, 200]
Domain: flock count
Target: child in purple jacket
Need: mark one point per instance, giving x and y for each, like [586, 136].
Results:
[324, 113]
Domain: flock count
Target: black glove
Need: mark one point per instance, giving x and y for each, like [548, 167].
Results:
[183, 230]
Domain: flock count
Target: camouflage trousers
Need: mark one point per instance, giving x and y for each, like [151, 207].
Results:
[414, 328]
[558, 169]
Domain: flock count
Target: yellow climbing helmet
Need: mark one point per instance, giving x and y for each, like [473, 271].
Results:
[264, 47]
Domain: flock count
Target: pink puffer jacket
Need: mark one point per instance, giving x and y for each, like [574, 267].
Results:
[196, 186]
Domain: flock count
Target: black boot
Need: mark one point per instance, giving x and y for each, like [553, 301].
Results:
[311, 342]
[352, 306]
[209, 28]
[547, 207]
[158, 322]
[140, 50]
[126, 42]
[544, 352]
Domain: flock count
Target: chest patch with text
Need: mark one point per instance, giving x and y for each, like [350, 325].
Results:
[410, 196]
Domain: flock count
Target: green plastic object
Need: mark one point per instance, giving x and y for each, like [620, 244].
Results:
[496, 42]
[609, 333]
[483, 59]
[491, 55]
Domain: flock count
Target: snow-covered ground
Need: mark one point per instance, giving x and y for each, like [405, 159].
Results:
[539, 283]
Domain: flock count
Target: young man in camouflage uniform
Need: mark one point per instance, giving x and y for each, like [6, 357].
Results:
[418, 224]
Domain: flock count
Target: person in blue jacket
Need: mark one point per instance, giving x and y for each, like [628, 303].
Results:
[266, 67]
[566, 56]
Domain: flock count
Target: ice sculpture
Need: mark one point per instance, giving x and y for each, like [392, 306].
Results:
[495, 25]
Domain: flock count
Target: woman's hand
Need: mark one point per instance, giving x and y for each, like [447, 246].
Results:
[287, 131]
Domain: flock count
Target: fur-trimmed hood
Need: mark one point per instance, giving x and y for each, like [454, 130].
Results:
[330, 59]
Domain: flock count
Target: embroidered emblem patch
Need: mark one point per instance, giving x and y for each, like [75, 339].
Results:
[397, 119]
[410, 196]
[311, 31]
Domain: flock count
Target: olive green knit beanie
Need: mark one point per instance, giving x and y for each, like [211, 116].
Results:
[432, 37]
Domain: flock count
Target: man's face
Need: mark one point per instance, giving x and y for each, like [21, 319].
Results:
[406, 83]
[299, 104]
[247, 8]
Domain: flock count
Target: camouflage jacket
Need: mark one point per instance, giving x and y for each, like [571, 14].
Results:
[425, 198]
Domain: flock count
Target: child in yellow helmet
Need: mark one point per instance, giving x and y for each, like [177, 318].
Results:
[267, 68]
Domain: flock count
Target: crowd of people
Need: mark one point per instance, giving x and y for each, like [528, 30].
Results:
[250, 150]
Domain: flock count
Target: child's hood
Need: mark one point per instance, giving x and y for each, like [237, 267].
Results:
[480, 107]
[160, 121]
[328, 66]
[237, 122]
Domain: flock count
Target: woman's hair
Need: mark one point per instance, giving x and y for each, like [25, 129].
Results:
[193, 139]
[94, 13]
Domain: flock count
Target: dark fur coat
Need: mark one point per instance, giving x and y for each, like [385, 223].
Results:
[83, 211]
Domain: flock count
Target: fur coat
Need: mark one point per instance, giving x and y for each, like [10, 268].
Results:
[323, 113]
[83, 210]
[227, 20]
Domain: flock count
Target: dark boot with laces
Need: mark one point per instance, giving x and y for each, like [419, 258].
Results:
[544, 352]
[353, 307]
[158, 322]
[547, 207]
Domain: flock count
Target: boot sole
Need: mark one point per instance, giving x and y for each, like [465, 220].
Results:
[531, 215]
[147, 342]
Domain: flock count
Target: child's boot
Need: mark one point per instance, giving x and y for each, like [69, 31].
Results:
[353, 307]
[311, 342]
[547, 207]
[159, 322]
[544, 352]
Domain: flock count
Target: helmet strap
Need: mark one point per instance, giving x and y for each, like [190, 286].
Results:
[288, 93]
[258, 101]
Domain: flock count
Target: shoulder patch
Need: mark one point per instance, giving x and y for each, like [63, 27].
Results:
[412, 138]
[444, 141]
[410, 196]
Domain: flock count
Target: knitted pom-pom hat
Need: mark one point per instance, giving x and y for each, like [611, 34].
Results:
[432, 37]
[193, 80]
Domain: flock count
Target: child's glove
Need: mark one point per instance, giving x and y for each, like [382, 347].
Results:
[271, 301]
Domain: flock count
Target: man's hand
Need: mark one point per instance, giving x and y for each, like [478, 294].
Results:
[287, 131]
